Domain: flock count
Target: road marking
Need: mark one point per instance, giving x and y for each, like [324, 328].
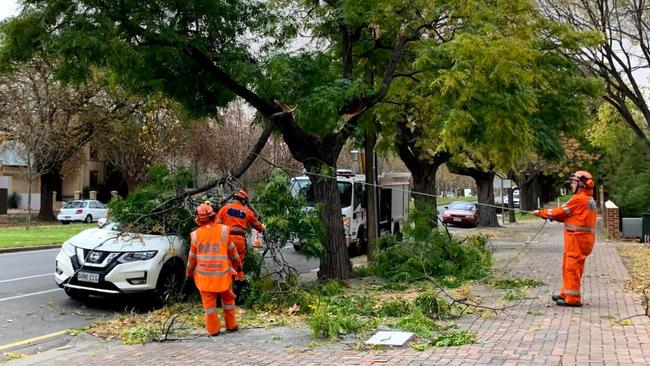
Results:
[28, 277]
[30, 294]
[32, 340]
[29, 252]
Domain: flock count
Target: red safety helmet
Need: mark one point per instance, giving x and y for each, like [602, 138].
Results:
[242, 194]
[584, 178]
[204, 214]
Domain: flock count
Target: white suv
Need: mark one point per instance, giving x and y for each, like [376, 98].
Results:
[104, 261]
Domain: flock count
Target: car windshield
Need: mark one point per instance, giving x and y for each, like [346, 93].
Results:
[303, 187]
[463, 206]
[74, 204]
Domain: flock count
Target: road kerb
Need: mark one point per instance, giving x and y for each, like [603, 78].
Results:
[28, 249]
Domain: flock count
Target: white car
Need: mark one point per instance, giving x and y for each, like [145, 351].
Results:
[104, 261]
[82, 210]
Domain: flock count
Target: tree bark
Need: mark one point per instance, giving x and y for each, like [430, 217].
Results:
[372, 221]
[487, 214]
[336, 263]
[422, 166]
[48, 183]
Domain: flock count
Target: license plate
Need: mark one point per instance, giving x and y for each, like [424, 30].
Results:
[88, 277]
[67, 217]
[458, 219]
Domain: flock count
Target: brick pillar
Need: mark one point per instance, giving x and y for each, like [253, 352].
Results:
[612, 223]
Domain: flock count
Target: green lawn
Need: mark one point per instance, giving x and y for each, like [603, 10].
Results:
[14, 237]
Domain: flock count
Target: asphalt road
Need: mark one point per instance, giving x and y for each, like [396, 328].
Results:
[33, 305]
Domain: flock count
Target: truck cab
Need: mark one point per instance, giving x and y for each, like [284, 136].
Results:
[393, 203]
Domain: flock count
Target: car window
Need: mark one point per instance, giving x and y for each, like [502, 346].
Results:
[463, 206]
[74, 204]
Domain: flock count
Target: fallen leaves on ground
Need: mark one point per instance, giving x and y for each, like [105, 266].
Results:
[637, 260]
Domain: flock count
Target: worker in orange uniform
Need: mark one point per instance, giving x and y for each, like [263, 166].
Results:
[240, 219]
[579, 217]
[212, 261]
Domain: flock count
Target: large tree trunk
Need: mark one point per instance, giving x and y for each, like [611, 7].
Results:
[424, 181]
[423, 167]
[49, 182]
[487, 214]
[372, 221]
[336, 263]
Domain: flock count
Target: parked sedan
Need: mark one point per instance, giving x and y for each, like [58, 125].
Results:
[82, 210]
[461, 213]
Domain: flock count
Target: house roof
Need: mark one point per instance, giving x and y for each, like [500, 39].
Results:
[11, 157]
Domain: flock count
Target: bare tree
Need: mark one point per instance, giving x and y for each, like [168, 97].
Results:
[622, 59]
[65, 117]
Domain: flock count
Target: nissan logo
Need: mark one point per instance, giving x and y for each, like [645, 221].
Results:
[94, 256]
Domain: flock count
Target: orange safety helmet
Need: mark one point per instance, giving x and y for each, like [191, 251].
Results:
[584, 178]
[242, 194]
[204, 214]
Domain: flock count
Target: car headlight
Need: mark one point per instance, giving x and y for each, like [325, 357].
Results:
[68, 249]
[137, 256]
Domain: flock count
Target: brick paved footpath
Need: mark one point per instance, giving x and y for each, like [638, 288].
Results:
[536, 332]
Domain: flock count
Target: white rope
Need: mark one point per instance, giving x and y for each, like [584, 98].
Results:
[424, 194]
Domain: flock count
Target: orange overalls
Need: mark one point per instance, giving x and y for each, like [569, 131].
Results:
[579, 217]
[239, 218]
[212, 261]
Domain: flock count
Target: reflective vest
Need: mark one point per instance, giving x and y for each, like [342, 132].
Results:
[209, 261]
[236, 215]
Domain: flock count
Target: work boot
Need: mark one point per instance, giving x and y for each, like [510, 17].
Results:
[214, 334]
[557, 298]
[561, 302]
[232, 330]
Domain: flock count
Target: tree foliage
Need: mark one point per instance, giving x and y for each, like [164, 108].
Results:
[626, 172]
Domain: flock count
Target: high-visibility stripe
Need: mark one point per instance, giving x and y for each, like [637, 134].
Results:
[191, 266]
[210, 311]
[231, 246]
[192, 255]
[228, 307]
[193, 237]
[571, 227]
[572, 292]
[211, 257]
[234, 257]
[567, 210]
[214, 273]
[224, 233]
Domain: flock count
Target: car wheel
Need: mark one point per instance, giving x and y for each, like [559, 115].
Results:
[89, 219]
[76, 294]
[168, 287]
[65, 222]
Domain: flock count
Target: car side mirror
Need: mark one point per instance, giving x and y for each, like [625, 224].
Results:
[446, 207]
[101, 222]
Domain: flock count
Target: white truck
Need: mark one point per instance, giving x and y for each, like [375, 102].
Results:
[393, 205]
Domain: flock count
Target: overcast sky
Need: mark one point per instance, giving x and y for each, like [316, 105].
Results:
[8, 8]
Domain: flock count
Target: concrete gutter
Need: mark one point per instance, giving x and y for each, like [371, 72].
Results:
[27, 249]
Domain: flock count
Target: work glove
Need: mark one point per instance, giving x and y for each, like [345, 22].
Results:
[535, 213]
